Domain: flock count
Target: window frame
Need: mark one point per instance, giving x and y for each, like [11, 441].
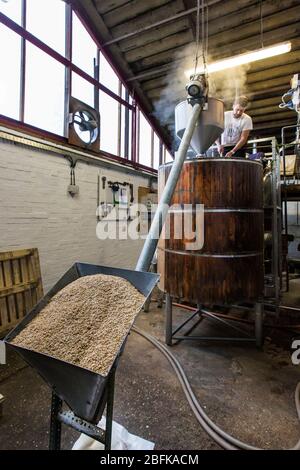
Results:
[70, 67]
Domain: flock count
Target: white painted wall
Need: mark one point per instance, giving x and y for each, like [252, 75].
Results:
[36, 211]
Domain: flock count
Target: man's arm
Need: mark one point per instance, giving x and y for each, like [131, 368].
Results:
[220, 147]
[240, 143]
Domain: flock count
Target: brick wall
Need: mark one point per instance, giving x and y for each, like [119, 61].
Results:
[36, 211]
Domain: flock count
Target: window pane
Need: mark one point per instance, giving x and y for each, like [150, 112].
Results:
[145, 141]
[123, 94]
[108, 77]
[44, 93]
[84, 49]
[10, 57]
[109, 112]
[156, 152]
[126, 118]
[83, 90]
[12, 9]
[130, 136]
[46, 20]
[168, 156]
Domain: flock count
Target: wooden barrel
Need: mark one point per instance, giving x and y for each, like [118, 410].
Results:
[228, 266]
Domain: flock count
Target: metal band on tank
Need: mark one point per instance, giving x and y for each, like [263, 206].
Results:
[209, 255]
[192, 160]
[179, 211]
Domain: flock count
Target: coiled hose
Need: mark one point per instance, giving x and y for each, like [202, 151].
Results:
[225, 440]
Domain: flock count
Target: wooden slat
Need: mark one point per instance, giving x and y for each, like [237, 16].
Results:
[168, 43]
[25, 280]
[8, 280]
[159, 34]
[17, 289]
[126, 12]
[105, 6]
[4, 315]
[38, 275]
[270, 110]
[276, 72]
[10, 255]
[31, 276]
[18, 294]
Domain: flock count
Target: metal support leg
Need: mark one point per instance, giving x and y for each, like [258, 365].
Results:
[147, 304]
[169, 321]
[259, 324]
[1, 405]
[109, 409]
[55, 424]
[160, 299]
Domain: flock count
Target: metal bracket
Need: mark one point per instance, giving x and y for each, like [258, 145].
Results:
[82, 426]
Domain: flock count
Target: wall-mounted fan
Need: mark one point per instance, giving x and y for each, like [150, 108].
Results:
[84, 125]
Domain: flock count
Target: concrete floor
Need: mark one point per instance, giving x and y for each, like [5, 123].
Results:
[250, 393]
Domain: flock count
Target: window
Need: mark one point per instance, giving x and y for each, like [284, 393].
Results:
[156, 152]
[83, 90]
[145, 141]
[126, 119]
[40, 71]
[46, 20]
[44, 92]
[109, 127]
[108, 77]
[10, 73]
[12, 9]
[84, 49]
[168, 157]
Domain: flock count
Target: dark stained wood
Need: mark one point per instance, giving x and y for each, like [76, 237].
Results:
[228, 267]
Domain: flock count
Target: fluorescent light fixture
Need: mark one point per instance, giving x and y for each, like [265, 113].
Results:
[241, 59]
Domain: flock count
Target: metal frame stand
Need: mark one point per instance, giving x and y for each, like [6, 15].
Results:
[273, 281]
[202, 313]
[160, 295]
[285, 197]
[70, 419]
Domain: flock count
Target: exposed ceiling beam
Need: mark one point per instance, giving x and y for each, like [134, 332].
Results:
[159, 23]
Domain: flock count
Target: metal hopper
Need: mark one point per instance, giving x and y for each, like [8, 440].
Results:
[209, 125]
[82, 389]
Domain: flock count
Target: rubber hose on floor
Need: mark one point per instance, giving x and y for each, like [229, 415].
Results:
[215, 432]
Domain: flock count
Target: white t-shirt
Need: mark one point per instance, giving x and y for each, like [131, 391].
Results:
[233, 127]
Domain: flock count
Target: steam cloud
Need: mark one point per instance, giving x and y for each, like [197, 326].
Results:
[225, 85]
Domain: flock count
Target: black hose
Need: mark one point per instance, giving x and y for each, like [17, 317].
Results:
[215, 432]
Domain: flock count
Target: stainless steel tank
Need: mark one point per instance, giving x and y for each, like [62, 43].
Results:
[209, 126]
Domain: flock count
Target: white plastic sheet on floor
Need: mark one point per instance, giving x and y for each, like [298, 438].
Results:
[121, 440]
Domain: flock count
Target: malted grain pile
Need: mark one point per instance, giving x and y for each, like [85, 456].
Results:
[85, 323]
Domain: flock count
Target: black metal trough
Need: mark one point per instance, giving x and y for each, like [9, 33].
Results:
[84, 391]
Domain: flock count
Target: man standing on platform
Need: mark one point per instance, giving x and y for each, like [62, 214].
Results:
[237, 127]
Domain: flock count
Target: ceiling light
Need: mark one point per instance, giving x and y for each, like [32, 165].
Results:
[241, 59]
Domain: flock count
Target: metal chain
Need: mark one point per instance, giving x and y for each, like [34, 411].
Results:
[204, 34]
[197, 35]
[261, 25]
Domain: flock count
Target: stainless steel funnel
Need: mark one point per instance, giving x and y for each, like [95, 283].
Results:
[209, 127]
